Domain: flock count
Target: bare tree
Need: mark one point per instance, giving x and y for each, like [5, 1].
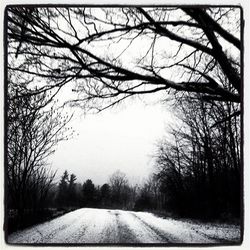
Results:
[114, 53]
[149, 195]
[119, 188]
[117, 180]
[33, 131]
[199, 165]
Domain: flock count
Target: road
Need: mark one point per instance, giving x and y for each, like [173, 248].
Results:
[88, 225]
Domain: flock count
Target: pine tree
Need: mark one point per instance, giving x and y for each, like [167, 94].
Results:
[62, 197]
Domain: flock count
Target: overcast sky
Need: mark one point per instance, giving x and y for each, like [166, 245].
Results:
[120, 138]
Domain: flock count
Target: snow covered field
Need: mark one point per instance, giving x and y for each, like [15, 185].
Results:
[89, 225]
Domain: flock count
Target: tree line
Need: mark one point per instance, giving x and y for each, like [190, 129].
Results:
[116, 193]
[198, 164]
[68, 195]
[34, 127]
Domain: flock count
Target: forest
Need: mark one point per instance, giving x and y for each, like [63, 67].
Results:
[191, 56]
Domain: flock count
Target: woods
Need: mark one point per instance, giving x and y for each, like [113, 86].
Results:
[116, 193]
[190, 58]
[33, 131]
[199, 166]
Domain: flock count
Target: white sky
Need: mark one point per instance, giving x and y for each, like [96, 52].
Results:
[120, 138]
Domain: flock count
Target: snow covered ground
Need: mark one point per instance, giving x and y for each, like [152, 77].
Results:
[88, 225]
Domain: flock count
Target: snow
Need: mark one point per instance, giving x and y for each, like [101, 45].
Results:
[190, 232]
[88, 225]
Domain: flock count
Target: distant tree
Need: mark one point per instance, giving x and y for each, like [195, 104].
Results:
[118, 182]
[149, 195]
[79, 194]
[98, 197]
[72, 195]
[63, 187]
[88, 192]
[105, 195]
[144, 202]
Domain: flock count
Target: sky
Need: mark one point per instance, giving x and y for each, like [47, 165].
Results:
[121, 138]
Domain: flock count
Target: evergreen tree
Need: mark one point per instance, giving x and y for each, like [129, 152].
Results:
[88, 193]
[105, 195]
[62, 197]
[72, 196]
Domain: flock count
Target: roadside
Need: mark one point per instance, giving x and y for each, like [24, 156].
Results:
[30, 218]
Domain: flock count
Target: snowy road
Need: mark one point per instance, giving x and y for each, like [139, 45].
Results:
[89, 225]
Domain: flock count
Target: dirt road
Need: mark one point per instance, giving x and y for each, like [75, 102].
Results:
[89, 225]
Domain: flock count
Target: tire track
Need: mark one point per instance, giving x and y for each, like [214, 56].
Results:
[143, 232]
[165, 238]
[125, 234]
